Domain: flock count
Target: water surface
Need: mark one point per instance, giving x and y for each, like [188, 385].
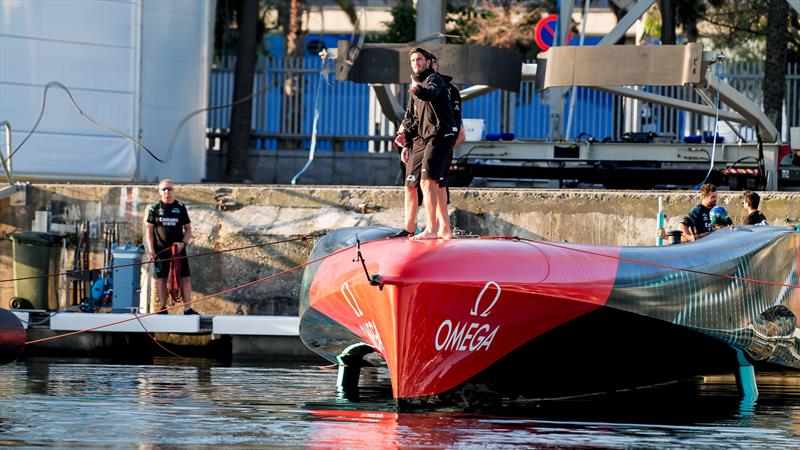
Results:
[91, 404]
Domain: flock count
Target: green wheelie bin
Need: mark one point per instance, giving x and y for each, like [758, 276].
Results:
[36, 260]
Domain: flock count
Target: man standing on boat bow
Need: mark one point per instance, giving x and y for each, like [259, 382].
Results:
[430, 127]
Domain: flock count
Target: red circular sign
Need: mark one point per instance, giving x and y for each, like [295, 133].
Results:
[545, 32]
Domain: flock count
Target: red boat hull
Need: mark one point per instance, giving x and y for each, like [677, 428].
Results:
[450, 309]
[12, 336]
[515, 317]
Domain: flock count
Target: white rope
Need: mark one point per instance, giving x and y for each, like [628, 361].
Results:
[716, 122]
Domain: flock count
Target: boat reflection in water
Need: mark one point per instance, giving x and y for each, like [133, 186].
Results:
[656, 417]
[92, 403]
[481, 322]
[12, 336]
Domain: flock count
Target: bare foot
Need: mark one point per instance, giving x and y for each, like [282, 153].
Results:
[425, 235]
[448, 234]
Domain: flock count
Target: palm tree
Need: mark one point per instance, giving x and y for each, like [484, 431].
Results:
[690, 12]
[669, 11]
[505, 24]
[241, 114]
[762, 20]
[290, 16]
[686, 13]
[775, 60]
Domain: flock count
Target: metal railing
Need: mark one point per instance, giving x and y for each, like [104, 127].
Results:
[350, 118]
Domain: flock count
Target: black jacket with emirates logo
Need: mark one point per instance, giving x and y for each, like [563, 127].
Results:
[429, 112]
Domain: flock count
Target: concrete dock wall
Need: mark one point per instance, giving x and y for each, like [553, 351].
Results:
[280, 166]
[226, 217]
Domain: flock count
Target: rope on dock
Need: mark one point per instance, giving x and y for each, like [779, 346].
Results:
[306, 238]
[226, 291]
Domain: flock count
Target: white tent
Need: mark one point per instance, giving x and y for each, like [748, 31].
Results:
[137, 66]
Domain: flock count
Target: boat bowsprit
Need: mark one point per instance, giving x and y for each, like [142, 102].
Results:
[470, 321]
[12, 336]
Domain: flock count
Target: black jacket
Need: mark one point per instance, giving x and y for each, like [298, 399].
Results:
[429, 112]
[455, 100]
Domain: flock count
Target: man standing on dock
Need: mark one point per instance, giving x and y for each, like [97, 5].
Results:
[168, 229]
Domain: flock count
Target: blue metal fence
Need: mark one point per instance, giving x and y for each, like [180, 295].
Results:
[345, 123]
[278, 117]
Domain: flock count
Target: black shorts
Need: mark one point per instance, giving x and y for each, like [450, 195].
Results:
[430, 161]
[162, 263]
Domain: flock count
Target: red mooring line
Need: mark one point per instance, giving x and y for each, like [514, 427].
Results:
[515, 238]
[648, 263]
[226, 291]
[72, 272]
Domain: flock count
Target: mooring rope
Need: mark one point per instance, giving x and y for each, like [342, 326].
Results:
[642, 262]
[173, 138]
[716, 130]
[513, 238]
[174, 275]
[84, 115]
[305, 238]
[153, 338]
[216, 294]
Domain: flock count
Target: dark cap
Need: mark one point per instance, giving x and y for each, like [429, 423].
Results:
[426, 54]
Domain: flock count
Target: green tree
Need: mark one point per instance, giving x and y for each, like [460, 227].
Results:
[508, 24]
[226, 28]
[775, 60]
[501, 23]
[402, 28]
[690, 12]
[685, 14]
[246, 48]
[349, 8]
[740, 28]
[240, 27]
[669, 10]
[774, 32]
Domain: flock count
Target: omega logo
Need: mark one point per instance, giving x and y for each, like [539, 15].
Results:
[466, 336]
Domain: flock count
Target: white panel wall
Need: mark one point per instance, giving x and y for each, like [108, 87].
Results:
[175, 69]
[134, 65]
[89, 46]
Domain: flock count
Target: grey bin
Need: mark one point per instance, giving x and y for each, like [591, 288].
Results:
[126, 277]
[36, 257]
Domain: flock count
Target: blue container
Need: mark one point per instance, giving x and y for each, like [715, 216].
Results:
[693, 139]
[709, 138]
